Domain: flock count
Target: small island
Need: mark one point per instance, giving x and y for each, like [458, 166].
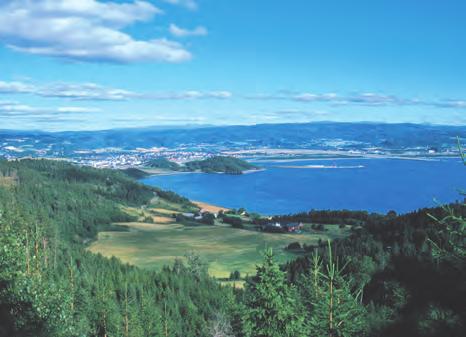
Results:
[215, 164]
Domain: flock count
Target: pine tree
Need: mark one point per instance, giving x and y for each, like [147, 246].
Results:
[333, 309]
[272, 309]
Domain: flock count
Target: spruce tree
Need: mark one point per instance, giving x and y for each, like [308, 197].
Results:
[272, 309]
[334, 310]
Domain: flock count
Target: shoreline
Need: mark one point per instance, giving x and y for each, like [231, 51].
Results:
[155, 172]
[209, 207]
[320, 167]
[365, 157]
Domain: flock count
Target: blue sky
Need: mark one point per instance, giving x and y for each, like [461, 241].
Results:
[90, 64]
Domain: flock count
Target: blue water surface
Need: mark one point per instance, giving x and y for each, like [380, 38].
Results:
[379, 185]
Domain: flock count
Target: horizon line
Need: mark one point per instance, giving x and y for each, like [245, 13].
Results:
[204, 126]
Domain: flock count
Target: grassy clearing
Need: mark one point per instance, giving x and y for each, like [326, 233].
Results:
[165, 206]
[162, 216]
[225, 249]
[7, 181]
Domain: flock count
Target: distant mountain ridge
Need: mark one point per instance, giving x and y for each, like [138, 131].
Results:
[319, 135]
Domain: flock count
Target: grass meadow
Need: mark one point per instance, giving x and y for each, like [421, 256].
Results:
[224, 248]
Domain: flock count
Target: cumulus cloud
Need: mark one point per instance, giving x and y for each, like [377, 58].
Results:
[96, 92]
[182, 32]
[189, 4]
[84, 30]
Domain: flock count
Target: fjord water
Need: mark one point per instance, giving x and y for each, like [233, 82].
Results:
[375, 185]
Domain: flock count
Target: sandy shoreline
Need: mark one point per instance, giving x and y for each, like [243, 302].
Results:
[209, 207]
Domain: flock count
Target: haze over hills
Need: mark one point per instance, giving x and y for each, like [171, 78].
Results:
[318, 136]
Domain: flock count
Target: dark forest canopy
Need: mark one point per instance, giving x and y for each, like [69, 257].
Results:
[135, 173]
[163, 164]
[215, 164]
[220, 164]
[395, 275]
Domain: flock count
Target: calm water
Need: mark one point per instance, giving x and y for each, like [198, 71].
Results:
[376, 185]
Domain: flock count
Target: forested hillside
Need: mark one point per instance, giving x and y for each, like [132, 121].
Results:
[220, 164]
[395, 275]
[51, 286]
[216, 164]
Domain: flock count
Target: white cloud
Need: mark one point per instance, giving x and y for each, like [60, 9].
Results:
[11, 109]
[192, 94]
[96, 92]
[84, 91]
[15, 87]
[452, 104]
[362, 99]
[85, 30]
[308, 97]
[296, 113]
[189, 4]
[14, 108]
[77, 109]
[182, 32]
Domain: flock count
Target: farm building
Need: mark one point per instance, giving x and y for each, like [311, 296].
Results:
[293, 227]
[277, 227]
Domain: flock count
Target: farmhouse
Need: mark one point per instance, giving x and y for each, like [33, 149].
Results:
[277, 227]
[272, 227]
[293, 227]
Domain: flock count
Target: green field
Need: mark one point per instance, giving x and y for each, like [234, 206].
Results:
[225, 249]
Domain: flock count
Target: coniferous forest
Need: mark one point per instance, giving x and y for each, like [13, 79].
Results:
[394, 275]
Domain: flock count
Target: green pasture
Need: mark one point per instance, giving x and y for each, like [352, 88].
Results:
[225, 249]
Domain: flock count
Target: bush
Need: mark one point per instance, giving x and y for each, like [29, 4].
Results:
[318, 227]
[235, 275]
[148, 219]
[234, 221]
[208, 219]
[294, 246]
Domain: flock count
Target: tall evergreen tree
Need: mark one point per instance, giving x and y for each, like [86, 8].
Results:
[272, 308]
[333, 309]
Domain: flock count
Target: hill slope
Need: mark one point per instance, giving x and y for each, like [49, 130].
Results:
[50, 286]
[408, 270]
